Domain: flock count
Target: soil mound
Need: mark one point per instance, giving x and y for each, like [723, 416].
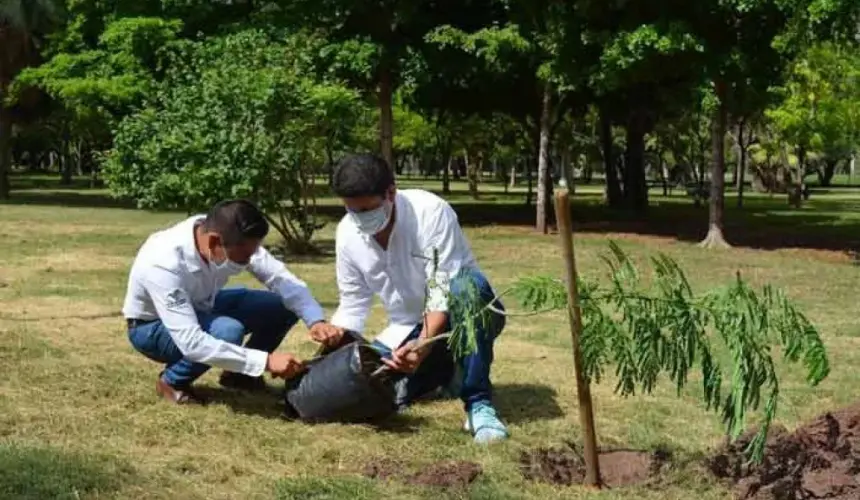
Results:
[819, 460]
[566, 466]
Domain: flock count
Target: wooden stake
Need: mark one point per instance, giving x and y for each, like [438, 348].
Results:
[583, 391]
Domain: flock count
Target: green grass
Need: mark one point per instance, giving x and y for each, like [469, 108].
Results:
[36, 473]
[72, 382]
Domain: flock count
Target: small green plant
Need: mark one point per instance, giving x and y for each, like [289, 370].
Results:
[667, 329]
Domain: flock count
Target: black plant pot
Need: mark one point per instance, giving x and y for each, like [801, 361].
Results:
[343, 386]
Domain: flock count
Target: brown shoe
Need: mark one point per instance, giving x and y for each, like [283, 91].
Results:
[243, 382]
[177, 396]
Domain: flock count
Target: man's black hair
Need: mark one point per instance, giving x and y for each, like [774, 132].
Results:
[362, 175]
[237, 221]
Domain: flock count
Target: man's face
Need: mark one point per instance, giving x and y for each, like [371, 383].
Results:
[371, 214]
[240, 253]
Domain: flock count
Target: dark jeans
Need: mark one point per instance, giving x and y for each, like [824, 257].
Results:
[236, 312]
[439, 367]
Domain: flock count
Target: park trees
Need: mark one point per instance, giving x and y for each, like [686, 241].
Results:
[532, 37]
[235, 116]
[818, 113]
[97, 87]
[381, 41]
[23, 24]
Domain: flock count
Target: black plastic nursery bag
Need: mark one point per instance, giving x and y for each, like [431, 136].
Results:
[341, 387]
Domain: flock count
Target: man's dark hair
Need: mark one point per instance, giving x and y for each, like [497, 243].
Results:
[236, 221]
[361, 175]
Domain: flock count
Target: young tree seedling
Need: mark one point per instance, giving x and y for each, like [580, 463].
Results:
[667, 329]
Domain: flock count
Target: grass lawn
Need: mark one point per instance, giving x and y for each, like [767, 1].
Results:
[79, 417]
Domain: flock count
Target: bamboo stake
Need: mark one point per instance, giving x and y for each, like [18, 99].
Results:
[583, 391]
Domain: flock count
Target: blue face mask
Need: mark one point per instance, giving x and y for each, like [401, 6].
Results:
[373, 221]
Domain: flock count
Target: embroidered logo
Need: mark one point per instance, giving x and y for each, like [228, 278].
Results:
[176, 299]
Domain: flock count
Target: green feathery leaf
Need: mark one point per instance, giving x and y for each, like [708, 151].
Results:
[667, 329]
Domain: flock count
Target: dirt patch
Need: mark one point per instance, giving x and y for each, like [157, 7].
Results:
[382, 468]
[566, 466]
[444, 474]
[449, 474]
[819, 460]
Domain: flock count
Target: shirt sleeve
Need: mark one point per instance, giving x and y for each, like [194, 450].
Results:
[355, 296]
[443, 235]
[295, 293]
[176, 312]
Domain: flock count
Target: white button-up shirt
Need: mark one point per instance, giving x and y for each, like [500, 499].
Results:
[169, 281]
[399, 275]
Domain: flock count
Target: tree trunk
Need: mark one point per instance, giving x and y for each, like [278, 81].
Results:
[386, 118]
[543, 162]
[79, 163]
[664, 173]
[329, 155]
[635, 186]
[613, 188]
[825, 175]
[742, 163]
[67, 165]
[529, 182]
[446, 170]
[795, 193]
[735, 174]
[566, 169]
[851, 164]
[513, 182]
[474, 164]
[5, 151]
[715, 238]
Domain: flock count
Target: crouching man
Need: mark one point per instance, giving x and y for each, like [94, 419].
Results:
[384, 246]
[177, 313]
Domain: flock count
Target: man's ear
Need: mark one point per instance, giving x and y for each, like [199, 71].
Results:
[213, 240]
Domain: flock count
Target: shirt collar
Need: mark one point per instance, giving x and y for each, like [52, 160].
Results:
[190, 255]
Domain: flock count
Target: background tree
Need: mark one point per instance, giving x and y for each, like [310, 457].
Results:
[23, 26]
[818, 111]
[236, 116]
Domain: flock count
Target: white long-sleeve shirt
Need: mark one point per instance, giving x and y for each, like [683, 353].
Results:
[398, 275]
[169, 281]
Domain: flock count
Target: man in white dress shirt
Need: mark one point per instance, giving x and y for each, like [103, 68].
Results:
[384, 246]
[178, 314]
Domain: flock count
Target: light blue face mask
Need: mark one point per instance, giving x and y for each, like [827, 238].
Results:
[373, 221]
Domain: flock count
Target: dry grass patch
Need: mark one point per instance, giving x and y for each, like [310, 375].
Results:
[77, 260]
[75, 382]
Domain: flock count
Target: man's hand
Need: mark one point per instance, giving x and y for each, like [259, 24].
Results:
[407, 360]
[284, 365]
[326, 333]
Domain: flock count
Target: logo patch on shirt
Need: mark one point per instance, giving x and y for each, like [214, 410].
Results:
[176, 299]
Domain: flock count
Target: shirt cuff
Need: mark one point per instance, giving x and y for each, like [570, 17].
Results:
[311, 312]
[255, 365]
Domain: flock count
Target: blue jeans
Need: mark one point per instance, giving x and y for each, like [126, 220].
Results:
[439, 366]
[236, 312]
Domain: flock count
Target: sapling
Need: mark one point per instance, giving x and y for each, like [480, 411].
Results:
[667, 329]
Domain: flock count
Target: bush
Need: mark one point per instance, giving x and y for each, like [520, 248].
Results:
[236, 116]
